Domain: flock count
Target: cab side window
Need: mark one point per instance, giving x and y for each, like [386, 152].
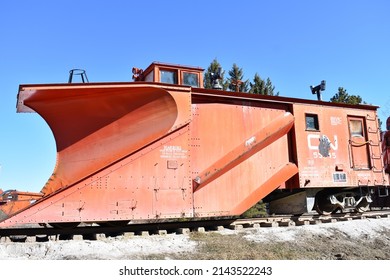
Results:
[169, 77]
[312, 122]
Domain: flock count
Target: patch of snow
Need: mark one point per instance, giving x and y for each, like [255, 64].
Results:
[353, 229]
[138, 247]
[99, 249]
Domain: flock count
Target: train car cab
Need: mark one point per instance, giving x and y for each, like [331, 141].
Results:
[170, 74]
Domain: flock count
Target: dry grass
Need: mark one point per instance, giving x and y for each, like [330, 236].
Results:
[216, 246]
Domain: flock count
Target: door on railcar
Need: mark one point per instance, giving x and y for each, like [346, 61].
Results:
[359, 144]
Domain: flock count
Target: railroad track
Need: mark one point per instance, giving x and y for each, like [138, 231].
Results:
[97, 232]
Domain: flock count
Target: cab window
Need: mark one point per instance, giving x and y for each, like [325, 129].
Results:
[169, 77]
[190, 79]
[312, 122]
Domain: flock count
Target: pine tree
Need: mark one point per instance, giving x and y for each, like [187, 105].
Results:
[343, 97]
[261, 87]
[258, 86]
[236, 81]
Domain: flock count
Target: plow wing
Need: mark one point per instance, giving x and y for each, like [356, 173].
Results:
[98, 125]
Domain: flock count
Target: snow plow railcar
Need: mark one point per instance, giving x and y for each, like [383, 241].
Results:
[164, 147]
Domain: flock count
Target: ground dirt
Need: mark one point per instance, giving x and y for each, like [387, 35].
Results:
[367, 239]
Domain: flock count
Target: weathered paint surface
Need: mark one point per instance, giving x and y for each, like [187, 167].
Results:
[147, 150]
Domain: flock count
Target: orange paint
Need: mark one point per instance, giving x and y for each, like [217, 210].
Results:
[152, 150]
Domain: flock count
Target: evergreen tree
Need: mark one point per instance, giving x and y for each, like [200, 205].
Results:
[260, 87]
[343, 97]
[270, 88]
[236, 81]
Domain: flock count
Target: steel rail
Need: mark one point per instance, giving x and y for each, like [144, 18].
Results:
[89, 231]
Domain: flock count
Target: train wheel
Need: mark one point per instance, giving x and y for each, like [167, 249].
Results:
[363, 204]
[321, 210]
[326, 204]
[363, 209]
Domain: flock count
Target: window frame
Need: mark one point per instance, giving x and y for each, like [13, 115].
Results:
[354, 132]
[316, 123]
[183, 72]
[175, 77]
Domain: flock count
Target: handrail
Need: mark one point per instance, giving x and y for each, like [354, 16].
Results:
[357, 144]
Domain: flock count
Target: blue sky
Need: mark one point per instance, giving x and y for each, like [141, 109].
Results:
[295, 43]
